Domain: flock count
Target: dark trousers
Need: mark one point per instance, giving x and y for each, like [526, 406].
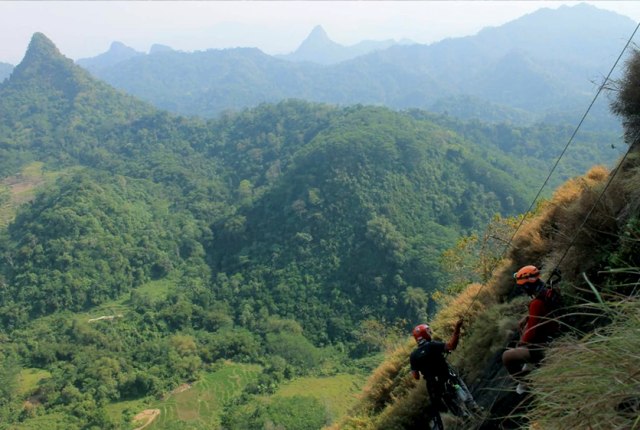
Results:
[435, 388]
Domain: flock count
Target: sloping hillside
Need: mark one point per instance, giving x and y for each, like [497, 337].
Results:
[590, 230]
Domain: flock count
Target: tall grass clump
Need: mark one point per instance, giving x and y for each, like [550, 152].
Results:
[593, 382]
[389, 381]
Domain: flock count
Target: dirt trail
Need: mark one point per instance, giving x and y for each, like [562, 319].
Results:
[149, 415]
[105, 317]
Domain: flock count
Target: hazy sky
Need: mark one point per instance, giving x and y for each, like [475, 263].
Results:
[87, 28]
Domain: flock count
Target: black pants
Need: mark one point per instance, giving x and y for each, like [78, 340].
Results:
[435, 388]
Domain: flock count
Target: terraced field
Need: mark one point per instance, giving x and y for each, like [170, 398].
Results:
[199, 406]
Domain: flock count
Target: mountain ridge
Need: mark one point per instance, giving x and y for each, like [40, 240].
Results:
[566, 57]
[117, 52]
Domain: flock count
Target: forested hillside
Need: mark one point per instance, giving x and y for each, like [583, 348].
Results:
[514, 71]
[141, 251]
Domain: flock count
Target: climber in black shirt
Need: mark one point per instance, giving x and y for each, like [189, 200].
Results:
[429, 360]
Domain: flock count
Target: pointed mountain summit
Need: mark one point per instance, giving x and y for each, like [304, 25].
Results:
[122, 50]
[44, 66]
[40, 47]
[117, 53]
[61, 93]
[52, 74]
[319, 48]
[318, 37]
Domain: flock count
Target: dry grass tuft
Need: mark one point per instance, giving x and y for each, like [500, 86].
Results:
[555, 233]
[489, 334]
[471, 302]
[406, 411]
[593, 383]
[387, 381]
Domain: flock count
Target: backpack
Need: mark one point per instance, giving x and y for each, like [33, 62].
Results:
[550, 294]
[552, 297]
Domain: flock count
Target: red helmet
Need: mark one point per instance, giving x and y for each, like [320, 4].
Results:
[527, 275]
[422, 332]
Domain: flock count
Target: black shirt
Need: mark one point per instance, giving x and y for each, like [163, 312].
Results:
[429, 360]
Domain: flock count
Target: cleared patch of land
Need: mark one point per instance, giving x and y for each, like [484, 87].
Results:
[28, 380]
[338, 393]
[21, 188]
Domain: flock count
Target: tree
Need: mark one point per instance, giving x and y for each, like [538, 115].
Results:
[627, 101]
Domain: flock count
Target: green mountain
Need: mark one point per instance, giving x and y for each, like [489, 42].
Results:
[53, 109]
[516, 69]
[156, 249]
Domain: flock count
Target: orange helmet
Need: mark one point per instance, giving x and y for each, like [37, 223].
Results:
[527, 275]
[422, 332]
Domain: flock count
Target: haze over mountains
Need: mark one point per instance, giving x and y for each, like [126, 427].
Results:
[543, 66]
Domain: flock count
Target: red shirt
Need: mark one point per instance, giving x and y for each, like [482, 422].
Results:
[538, 328]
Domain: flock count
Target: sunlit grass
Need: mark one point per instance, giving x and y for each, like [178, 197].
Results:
[337, 393]
[20, 189]
[52, 421]
[593, 382]
[28, 380]
[157, 289]
[117, 308]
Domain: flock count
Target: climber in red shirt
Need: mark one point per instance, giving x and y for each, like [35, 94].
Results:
[538, 327]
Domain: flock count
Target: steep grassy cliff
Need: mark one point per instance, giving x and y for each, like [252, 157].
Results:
[590, 377]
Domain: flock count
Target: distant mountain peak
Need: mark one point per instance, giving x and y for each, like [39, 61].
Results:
[317, 39]
[119, 47]
[158, 48]
[117, 52]
[319, 48]
[54, 85]
[318, 33]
